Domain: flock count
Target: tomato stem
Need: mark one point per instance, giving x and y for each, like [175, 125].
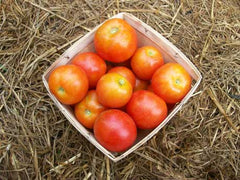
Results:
[87, 112]
[150, 53]
[61, 89]
[121, 82]
[178, 81]
[114, 30]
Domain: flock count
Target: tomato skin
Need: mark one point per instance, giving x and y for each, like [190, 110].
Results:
[145, 61]
[115, 130]
[140, 85]
[115, 40]
[125, 72]
[88, 109]
[113, 90]
[92, 64]
[147, 109]
[171, 82]
[68, 83]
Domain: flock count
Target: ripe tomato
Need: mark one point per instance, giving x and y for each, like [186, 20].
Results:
[171, 82]
[140, 84]
[92, 64]
[147, 109]
[88, 109]
[115, 40]
[145, 61]
[125, 72]
[68, 83]
[115, 130]
[113, 90]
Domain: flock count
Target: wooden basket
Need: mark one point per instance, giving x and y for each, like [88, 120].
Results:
[146, 36]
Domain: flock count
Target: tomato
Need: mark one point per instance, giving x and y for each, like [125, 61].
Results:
[145, 61]
[113, 90]
[125, 72]
[92, 64]
[140, 84]
[68, 83]
[88, 109]
[115, 130]
[115, 40]
[147, 109]
[171, 82]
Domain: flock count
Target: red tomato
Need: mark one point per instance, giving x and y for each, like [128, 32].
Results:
[125, 72]
[145, 61]
[88, 109]
[171, 82]
[92, 64]
[140, 85]
[68, 83]
[113, 90]
[147, 109]
[115, 130]
[115, 40]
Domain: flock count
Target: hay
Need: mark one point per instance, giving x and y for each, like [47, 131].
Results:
[200, 142]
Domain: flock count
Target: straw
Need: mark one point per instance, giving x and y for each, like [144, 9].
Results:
[37, 142]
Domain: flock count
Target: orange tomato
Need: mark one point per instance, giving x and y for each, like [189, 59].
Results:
[68, 83]
[115, 40]
[88, 109]
[125, 72]
[113, 90]
[92, 64]
[145, 61]
[171, 82]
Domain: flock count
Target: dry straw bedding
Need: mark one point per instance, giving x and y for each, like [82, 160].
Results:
[201, 142]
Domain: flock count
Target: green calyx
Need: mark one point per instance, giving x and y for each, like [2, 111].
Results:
[61, 90]
[178, 82]
[87, 112]
[150, 53]
[121, 82]
[114, 30]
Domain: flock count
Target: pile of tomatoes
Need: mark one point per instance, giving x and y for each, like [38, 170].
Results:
[120, 88]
